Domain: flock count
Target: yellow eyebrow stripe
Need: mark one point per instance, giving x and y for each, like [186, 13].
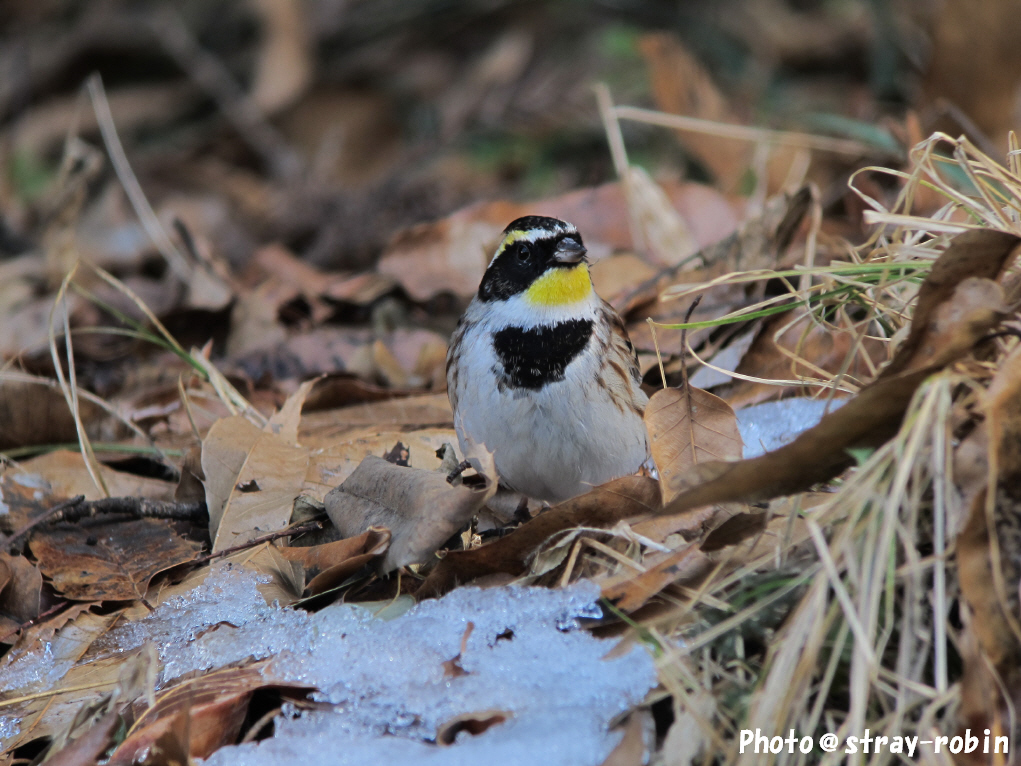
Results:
[512, 236]
[560, 286]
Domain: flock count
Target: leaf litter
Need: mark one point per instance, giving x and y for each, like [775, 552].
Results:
[800, 573]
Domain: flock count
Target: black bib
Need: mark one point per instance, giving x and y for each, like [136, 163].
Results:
[539, 355]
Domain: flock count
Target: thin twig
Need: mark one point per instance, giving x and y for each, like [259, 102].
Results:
[309, 526]
[29, 623]
[139, 507]
[46, 516]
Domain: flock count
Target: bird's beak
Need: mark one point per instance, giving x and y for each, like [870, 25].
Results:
[569, 251]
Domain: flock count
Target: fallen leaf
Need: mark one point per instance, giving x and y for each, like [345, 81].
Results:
[334, 458]
[20, 588]
[758, 244]
[629, 591]
[284, 422]
[686, 427]
[981, 254]
[604, 506]
[234, 454]
[216, 703]
[88, 747]
[734, 530]
[23, 497]
[619, 275]
[631, 750]
[329, 564]
[421, 508]
[63, 474]
[965, 67]
[32, 413]
[796, 345]
[681, 85]
[109, 562]
[406, 413]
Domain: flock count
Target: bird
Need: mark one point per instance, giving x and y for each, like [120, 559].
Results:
[541, 371]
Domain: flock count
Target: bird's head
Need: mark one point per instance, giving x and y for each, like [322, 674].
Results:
[542, 260]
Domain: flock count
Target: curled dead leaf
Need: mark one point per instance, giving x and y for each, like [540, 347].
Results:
[216, 704]
[329, 564]
[421, 508]
[20, 588]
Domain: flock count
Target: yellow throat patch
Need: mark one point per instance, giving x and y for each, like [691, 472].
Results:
[560, 286]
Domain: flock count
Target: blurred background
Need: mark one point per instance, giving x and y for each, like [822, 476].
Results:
[365, 116]
[324, 177]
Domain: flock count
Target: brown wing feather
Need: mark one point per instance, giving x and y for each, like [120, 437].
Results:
[453, 353]
[623, 377]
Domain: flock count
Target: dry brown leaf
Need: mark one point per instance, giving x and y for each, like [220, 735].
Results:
[255, 320]
[406, 413]
[629, 591]
[284, 422]
[955, 310]
[24, 497]
[33, 414]
[20, 588]
[252, 478]
[88, 747]
[604, 506]
[63, 474]
[620, 274]
[735, 530]
[109, 562]
[329, 564]
[981, 254]
[681, 85]
[968, 67]
[334, 458]
[682, 527]
[631, 750]
[216, 704]
[783, 341]
[686, 427]
[421, 508]
[758, 244]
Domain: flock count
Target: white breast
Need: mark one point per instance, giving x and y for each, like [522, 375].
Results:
[550, 444]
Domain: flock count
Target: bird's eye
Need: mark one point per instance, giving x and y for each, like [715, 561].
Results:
[524, 252]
